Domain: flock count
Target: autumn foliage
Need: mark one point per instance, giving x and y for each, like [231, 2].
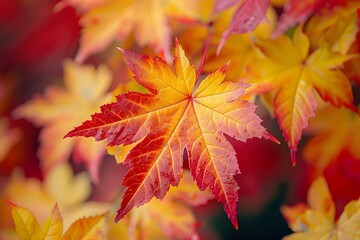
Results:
[152, 119]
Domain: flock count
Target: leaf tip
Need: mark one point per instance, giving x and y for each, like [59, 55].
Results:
[70, 134]
[10, 204]
[293, 157]
[235, 223]
[119, 216]
[224, 68]
[272, 138]
[176, 42]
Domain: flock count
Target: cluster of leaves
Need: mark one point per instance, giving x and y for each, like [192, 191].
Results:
[27, 226]
[317, 220]
[170, 119]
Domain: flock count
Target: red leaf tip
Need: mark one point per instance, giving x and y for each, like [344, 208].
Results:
[10, 204]
[293, 157]
[235, 223]
[224, 68]
[176, 42]
[272, 138]
[119, 216]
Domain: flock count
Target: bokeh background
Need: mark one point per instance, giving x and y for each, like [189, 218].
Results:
[37, 39]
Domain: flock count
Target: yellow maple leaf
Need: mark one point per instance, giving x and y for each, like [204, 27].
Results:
[62, 108]
[317, 220]
[28, 228]
[146, 19]
[293, 73]
[26, 224]
[53, 226]
[70, 195]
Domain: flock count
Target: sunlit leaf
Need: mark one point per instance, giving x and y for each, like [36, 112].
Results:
[28, 228]
[60, 186]
[87, 228]
[52, 228]
[26, 224]
[292, 73]
[177, 115]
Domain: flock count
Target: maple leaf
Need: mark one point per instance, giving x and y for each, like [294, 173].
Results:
[317, 221]
[118, 19]
[61, 108]
[147, 222]
[245, 19]
[294, 80]
[174, 116]
[27, 227]
[333, 131]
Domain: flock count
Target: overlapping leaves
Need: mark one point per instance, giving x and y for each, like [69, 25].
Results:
[28, 228]
[178, 114]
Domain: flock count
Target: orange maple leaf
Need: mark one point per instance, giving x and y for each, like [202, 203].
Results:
[176, 115]
[292, 73]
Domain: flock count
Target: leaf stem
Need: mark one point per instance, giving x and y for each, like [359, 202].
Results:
[203, 57]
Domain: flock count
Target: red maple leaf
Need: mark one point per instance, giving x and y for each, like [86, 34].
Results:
[177, 114]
